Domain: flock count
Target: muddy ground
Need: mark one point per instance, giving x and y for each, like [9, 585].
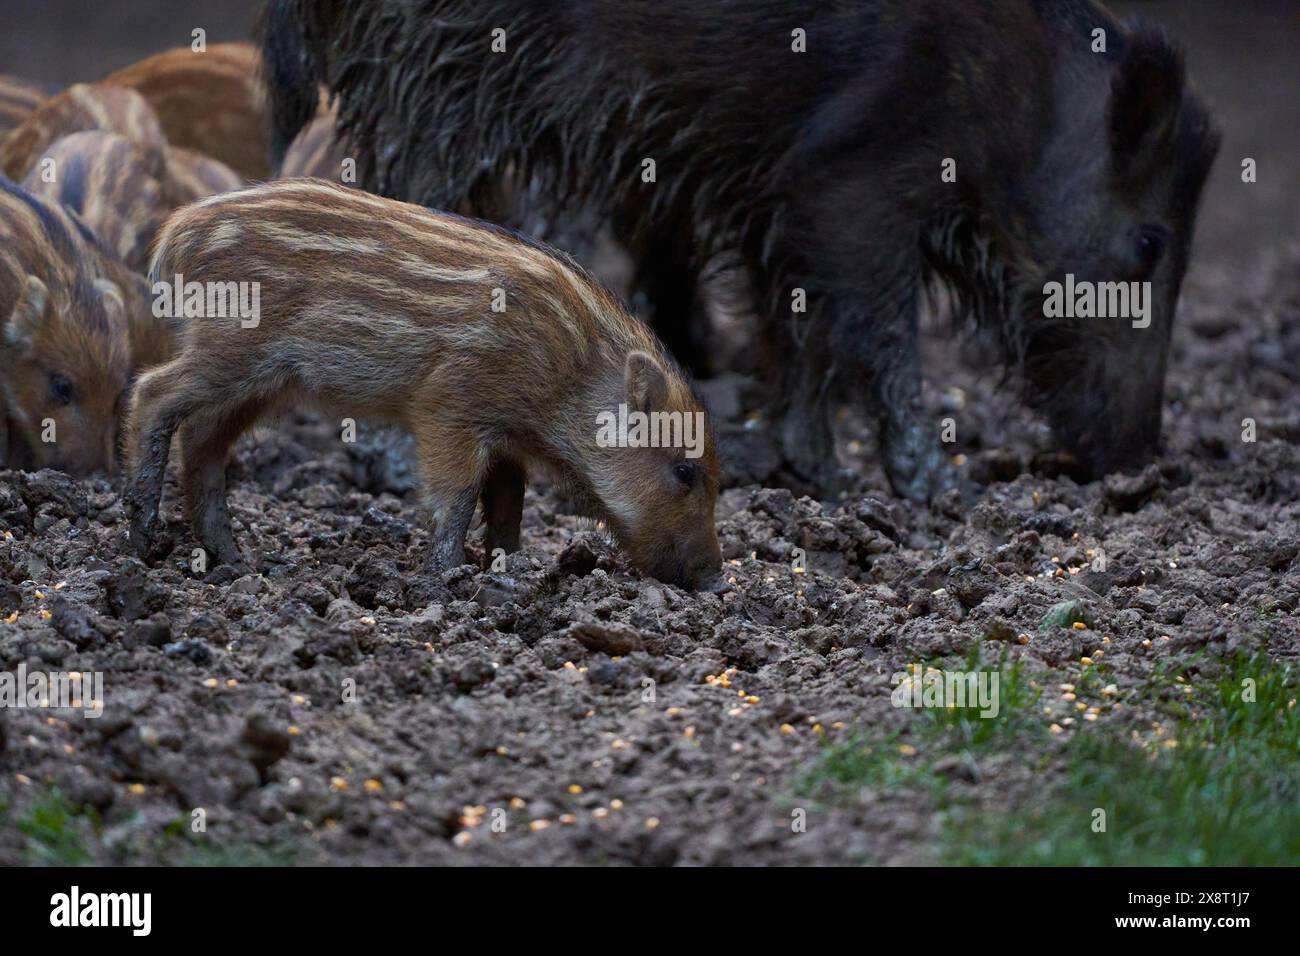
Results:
[577, 697]
[331, 703]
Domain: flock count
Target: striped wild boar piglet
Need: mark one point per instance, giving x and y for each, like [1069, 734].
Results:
[18, 99]
[121, 192]
[118, 188]
[78, 108]
[65, 359]
[497, 354]
[209, 101]
[192, 175]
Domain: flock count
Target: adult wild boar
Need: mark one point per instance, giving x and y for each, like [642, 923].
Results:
[851, 153]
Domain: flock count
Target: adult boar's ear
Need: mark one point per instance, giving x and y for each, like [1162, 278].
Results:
[647, 383]
[24, 323]
[1145, 95]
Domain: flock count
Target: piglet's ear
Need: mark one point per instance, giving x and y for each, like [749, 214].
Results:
[110, 300]
[647, 383]
[1146, 94]
[24, 323]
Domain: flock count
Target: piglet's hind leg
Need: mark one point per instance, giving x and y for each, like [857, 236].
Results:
[206, 439]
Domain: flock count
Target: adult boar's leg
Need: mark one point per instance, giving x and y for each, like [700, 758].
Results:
[807, 441]
[666, 276]
[863, 278]
[879, 352]
[910, 451]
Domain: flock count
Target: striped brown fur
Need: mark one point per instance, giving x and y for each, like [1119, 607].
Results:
[193, 176]
[80, 107]
[121, 191]
[117, 187]
[380, 310]
[210, 102]
[65, 351]
[124, 191]
[152, 340]
[18, 99]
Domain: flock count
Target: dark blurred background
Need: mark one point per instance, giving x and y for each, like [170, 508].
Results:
[65, 41]
[1243, 54]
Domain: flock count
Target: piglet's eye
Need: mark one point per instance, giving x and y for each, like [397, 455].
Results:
[685, 472]
[60, 389]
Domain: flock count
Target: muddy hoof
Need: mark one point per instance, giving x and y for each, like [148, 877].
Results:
[149, 544]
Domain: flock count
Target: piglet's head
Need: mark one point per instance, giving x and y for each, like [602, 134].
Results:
[67, 369]
[660, 481]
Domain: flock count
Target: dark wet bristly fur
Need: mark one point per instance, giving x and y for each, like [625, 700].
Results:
[819, 170]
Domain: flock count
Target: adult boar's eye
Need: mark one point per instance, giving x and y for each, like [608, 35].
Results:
[1150, 249]
[685, 472]
[60, 389]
